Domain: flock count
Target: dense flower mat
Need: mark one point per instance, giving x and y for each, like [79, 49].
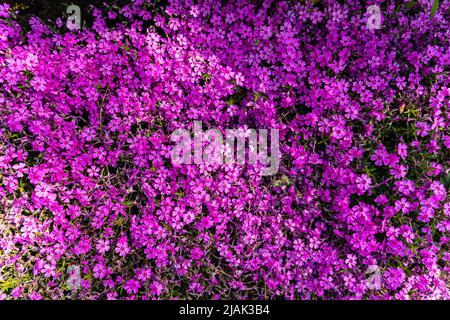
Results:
[87, 182]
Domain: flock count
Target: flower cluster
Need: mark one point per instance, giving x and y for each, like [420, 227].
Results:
[86, 177]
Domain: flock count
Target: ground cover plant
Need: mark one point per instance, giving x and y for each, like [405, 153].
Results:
[92, 207]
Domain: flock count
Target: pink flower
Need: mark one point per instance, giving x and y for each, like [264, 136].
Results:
[102, 246]
[122, 247]
[132, 286]
[402, 205]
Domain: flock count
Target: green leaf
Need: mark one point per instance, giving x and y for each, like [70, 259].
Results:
[434, 8]
[284, 181]
[409, 5]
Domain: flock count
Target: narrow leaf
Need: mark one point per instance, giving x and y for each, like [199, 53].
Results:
[434, 8]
